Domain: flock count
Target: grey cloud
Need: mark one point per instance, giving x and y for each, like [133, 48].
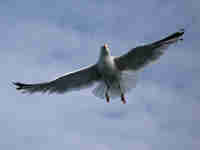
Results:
[40, 40]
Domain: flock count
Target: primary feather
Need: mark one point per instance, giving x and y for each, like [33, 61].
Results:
[140, 56]
[72, 81]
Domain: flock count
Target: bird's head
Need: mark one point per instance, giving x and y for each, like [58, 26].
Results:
[105, 50]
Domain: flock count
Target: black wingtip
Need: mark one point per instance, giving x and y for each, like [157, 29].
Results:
[18, 85]
[177, 35]
[181, 32]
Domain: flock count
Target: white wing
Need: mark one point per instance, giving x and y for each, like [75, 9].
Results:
[140, 56]
[71, 81]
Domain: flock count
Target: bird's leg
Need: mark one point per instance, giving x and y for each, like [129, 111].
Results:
[107, 97]
[106, 94]
[122, 96]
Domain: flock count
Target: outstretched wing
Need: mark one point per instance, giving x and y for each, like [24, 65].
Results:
[71, 81]
[140, 56]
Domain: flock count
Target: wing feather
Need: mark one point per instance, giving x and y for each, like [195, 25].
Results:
[71, 81]
[140, 56]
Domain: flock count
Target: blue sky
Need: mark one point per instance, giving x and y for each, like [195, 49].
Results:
[43, 39]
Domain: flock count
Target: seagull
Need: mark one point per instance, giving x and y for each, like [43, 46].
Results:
[113, 76]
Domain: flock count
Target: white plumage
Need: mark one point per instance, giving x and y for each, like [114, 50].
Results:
[114, 76]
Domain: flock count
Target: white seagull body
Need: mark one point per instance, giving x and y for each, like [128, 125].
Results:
[115, 76]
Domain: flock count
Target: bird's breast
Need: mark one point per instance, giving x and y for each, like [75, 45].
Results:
[107, 66]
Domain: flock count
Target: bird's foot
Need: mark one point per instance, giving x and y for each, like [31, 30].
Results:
[123, 99]
[107, 98]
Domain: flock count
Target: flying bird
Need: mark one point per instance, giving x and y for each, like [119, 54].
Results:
[113, 76]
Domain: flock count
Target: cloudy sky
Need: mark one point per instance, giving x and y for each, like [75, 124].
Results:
[40, 40]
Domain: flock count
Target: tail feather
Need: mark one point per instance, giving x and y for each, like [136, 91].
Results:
[127, 81]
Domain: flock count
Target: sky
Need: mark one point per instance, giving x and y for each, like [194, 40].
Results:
[41, 40]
